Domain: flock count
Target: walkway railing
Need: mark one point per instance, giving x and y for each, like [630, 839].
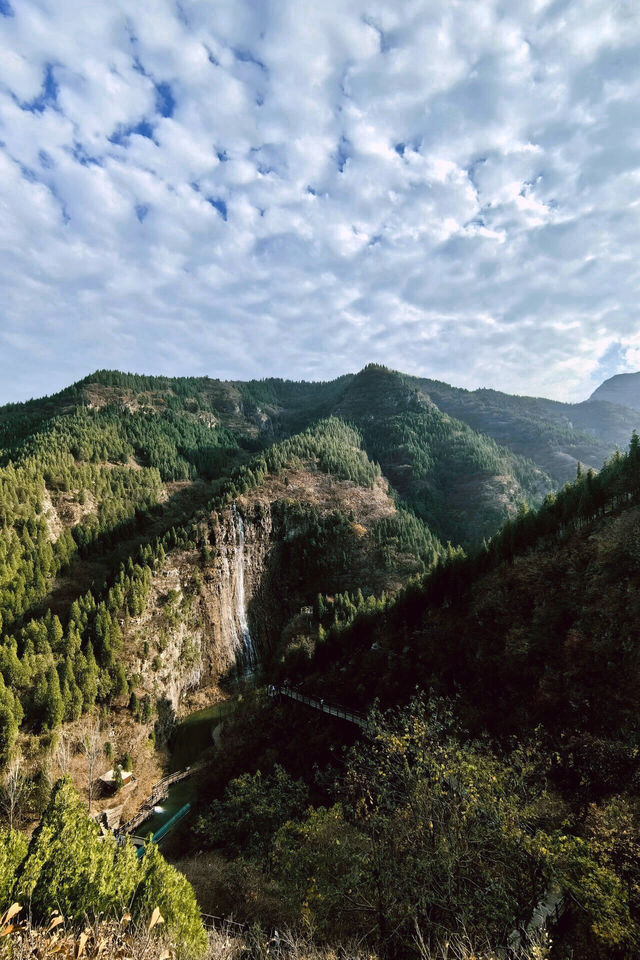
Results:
[159, 792]
[333, 709]
[174, 777]
[164, 829]
[211, 922]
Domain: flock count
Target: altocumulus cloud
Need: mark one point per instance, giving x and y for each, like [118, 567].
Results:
[295, 188]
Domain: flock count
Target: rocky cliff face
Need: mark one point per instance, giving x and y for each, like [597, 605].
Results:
[236, 593]
[208, 614]
[215, 611]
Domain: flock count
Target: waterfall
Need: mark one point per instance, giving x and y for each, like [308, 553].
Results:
[245, 640]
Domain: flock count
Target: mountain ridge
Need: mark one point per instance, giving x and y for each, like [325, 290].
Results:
[622, 389]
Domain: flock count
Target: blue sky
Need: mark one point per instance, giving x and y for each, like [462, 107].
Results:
[294, 188]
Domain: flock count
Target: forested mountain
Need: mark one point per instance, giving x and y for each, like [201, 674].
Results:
[163, 539]
[538, 626]
[528, 652]
[556, 436]
[101, 481]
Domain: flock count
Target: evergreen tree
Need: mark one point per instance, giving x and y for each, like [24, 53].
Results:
[53, 704]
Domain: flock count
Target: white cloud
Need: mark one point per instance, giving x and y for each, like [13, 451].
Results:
[295, 188]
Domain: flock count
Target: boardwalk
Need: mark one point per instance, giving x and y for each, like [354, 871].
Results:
[158, 793]
[325, 706]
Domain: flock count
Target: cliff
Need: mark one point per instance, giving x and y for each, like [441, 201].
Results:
[223, 609]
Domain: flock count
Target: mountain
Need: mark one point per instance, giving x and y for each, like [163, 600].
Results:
[462, 484]
[556, 436]
[530, 646]
[166, 543]
[539, 627]
[121, 498]
[623, 389]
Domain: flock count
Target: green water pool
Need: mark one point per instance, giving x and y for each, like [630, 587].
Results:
[191, 738]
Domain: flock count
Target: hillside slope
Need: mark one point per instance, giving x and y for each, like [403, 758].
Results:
[623, 389]
[501, 781]
[540, 627]
[556, 436]
[458, 481]
[114, 482]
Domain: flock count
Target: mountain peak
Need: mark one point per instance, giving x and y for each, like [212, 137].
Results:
[623, 389]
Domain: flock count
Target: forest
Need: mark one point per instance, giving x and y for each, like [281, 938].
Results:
[481, 616]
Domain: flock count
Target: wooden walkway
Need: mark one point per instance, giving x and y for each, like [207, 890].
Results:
[158, 793]
[325, 706]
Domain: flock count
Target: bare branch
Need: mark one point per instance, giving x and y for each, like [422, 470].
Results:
[91, 747]
[14, 789]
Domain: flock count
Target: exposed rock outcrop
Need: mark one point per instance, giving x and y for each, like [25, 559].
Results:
[218, 610]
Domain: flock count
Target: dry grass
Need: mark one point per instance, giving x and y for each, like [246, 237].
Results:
[122, 940]
[462, 948]
[20, 940]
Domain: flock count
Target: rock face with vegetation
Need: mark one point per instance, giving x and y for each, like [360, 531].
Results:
[361, 538]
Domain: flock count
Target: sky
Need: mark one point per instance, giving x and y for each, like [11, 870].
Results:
[297, 188]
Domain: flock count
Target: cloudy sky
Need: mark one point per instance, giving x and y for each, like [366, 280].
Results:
[247, 188]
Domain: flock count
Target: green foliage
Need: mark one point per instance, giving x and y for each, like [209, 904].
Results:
[538, 428]
[13, 847]
[330, 446]
[161, 885]
[595, 886]
[499, 624]
[8, 730]
[439, 466]
[405, 533]
[443, 825]
[253, 808]
[70, 866]
[320, 861]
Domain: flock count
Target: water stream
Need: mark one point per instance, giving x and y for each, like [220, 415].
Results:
[244, 640]
[194, 734]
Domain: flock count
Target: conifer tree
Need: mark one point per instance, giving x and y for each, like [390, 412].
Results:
[54, 704]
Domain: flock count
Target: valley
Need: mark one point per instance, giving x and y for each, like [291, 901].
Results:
[456, 568]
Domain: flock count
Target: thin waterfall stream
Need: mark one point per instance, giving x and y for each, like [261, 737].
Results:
[244, 640]
[193, 736]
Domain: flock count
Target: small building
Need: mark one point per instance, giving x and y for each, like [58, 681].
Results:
[108, 780]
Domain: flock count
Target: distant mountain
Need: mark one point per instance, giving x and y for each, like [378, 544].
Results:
[623, 389]
[556, 436]
[458, 480]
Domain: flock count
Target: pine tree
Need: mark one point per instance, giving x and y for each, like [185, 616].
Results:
[8, 730]
[72, 868]
[165, 887]
[54, 704]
